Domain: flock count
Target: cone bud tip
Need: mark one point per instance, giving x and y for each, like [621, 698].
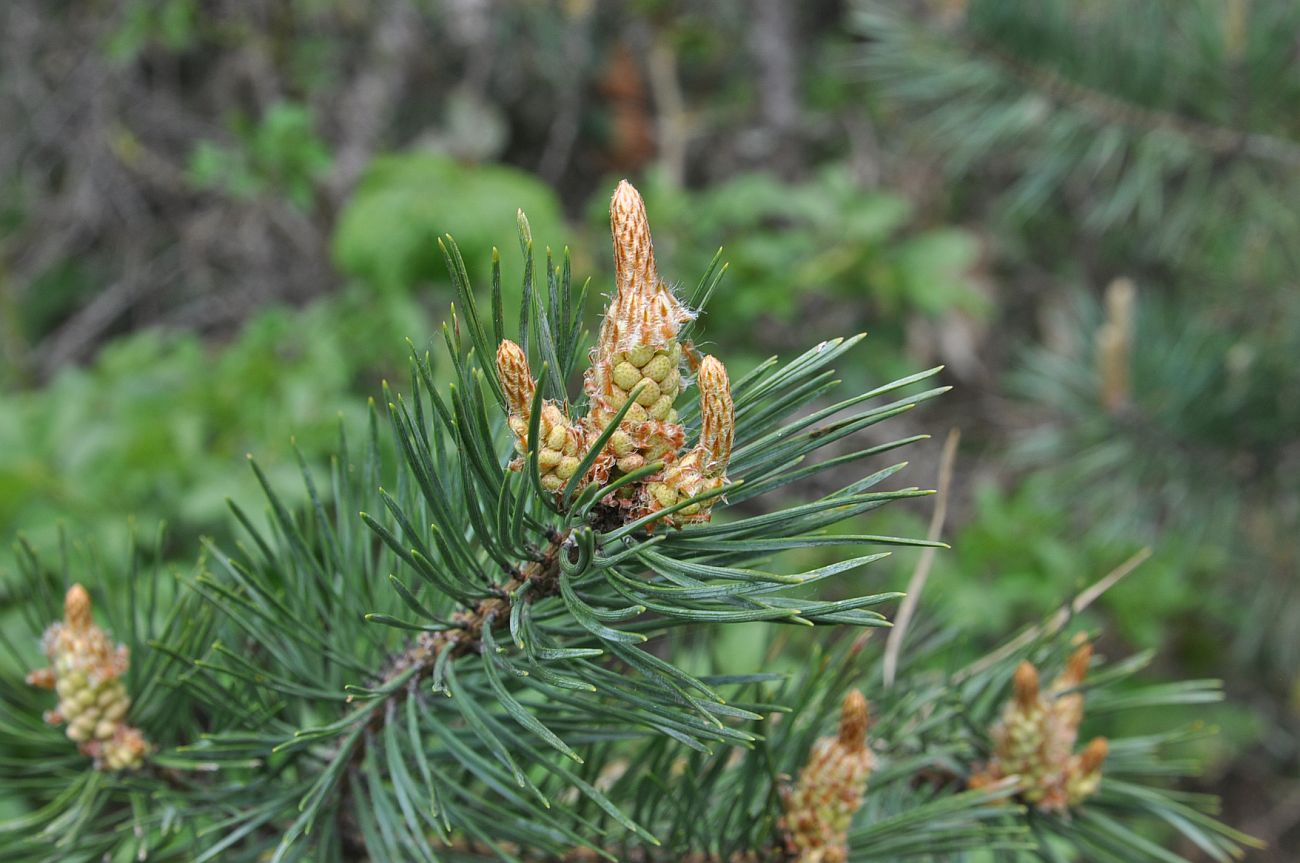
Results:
[855, 716]
[1094, 754]
[76, 607]
[516, 378]
[1076, 668]
[1025, 685]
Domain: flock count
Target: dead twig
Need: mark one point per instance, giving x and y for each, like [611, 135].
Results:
[922, 572]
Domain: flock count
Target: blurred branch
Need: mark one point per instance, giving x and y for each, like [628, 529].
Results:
[366, 107]
[13, 345]
[773, 40]
[864, 149]
[564, 129]
[75, 339]
[1219, 140]
[670, 108]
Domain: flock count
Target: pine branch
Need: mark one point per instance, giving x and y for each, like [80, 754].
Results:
[1029, 93]
[515, 693]
[1109, 110]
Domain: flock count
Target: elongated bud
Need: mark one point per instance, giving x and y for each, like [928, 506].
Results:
[1121, 296]
[1114, 345]
[855, 716]
[643, 311]
[1090, 760]
[1083, 776]
[717, 414]
[516, 379]
[1067, 709]
[1025, 686]
[634, 251]
[1112, 368]
[704, 467]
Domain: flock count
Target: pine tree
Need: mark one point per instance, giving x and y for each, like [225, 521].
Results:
[508, 655]
[1142, 161]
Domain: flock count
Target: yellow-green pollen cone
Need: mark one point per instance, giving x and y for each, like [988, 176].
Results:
[1035, 739]
[819, 809]
[86, 672]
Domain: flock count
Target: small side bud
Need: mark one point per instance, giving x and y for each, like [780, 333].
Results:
[559, 442]
[42, 678]
[516, 379]
[1076, 668]
[1083, 775]
[717, 415]
[1025, 686]
[855, 716]
[1090, 760]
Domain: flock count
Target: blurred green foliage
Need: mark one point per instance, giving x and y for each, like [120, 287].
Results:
[157, 427]
[388, 234]
[170, 24]
[278, 154]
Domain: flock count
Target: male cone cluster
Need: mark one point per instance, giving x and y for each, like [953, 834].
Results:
[1036, 736]
[637, 357]
[820, 808]
[86, 671]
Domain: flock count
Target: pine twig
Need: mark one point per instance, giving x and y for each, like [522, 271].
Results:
[922, 572]
[493, 611]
